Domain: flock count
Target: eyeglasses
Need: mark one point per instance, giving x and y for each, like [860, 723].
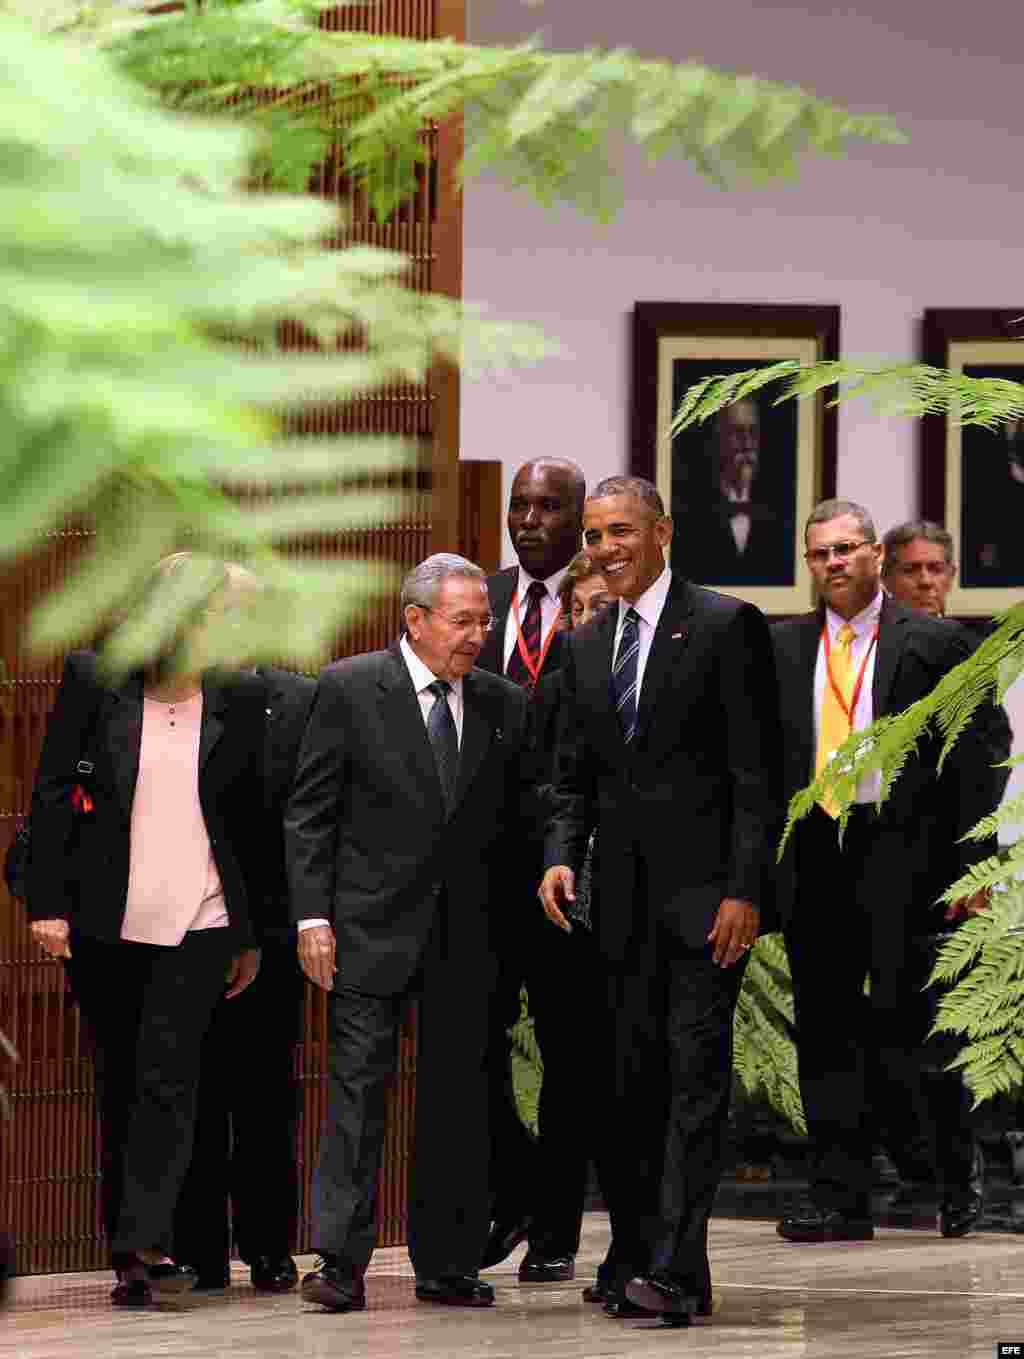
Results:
[464, 622]
[819, 556]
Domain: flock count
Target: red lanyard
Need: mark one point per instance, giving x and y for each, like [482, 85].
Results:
[847, 711]
[533, 668]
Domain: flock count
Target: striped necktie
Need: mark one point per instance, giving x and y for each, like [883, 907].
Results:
[517, 670]
[624, 675]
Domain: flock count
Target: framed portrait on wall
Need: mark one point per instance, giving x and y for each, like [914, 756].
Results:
[740, 486]
[972, 479]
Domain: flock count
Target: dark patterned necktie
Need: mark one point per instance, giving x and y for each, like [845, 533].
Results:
[444, 739]
[624, 675]
[518, 671]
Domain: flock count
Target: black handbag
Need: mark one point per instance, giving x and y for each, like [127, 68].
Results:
[16, 858]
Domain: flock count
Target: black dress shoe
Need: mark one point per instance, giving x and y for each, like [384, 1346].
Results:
[504, 1238]
[598, 1291]
[334, 1287]
[961, 1209]
[661, 1294]
[546, 1269]
[810, 1223]
[168, 1278]
[274, 1273]
[456, 1290]
[620, 1307]
[131, 1293]
[211, 1281]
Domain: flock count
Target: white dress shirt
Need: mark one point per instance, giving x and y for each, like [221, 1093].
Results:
[550, 608]
[864, 625]
[739, 522]
[649, 606]
[422, 677]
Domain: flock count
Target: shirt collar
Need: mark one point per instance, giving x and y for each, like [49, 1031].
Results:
[651, 602]
[861, 622]
[422, 676]
[551, 584]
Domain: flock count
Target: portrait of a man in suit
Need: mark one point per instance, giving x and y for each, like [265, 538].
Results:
[734, 490]
[992, 497]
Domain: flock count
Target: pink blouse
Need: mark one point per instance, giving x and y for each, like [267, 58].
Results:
[173, 885]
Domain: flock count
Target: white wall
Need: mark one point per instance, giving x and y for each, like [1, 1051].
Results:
[884, 232]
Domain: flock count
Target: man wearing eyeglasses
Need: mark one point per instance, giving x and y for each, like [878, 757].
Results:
[852, 910]
[401, 826]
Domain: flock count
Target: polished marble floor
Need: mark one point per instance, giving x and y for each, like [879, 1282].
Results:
[907, 1293]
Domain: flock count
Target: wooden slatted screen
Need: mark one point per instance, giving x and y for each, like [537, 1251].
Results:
[48, 1153]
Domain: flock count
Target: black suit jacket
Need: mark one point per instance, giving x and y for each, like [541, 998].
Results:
[544, 703]
[686, 814]
[930, 812]
[78, 865]
[289, 698]
[707, 549]
[370, 846]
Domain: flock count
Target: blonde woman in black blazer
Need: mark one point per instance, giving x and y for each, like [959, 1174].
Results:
[150, 1003]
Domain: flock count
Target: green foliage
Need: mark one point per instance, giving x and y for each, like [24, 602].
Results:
[764, 1054]
[527, 1066]
[905, 389]
[544, 121]
[131, 264]
[985, 958]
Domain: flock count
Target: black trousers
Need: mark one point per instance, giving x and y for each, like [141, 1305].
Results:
[246, 1124]
[860, 1056]
[546, 1178]
[148, 1008]
[661, 1145]
[449, 1188]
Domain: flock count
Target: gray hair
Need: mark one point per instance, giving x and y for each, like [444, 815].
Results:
[422, 586]
[644, 490]
[835, 509]
[910, 532]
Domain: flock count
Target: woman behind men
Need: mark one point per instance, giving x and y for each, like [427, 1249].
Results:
[142, 870]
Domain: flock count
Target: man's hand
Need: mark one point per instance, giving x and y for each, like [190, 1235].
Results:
[52, 935]
[557, 887]
[316, 955]
[735, 930]
[968, 906]
[242, 972]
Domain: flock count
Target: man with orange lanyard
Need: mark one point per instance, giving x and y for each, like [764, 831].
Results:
[537, 1196]
[854, 909]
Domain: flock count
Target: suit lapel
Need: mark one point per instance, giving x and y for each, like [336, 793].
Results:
[668, 646]
[806, 660]
[215, 702]
[124, 739]
[890, 648]
[477, 734]
[500, 589]
[403, 726]
[593, 647]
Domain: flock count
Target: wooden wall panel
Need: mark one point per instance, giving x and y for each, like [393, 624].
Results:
[49, 1163]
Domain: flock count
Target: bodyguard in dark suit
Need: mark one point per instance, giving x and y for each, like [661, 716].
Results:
[405, 807]
[248, 1099]
[668, 747]
[856, 910]
[538, 1186]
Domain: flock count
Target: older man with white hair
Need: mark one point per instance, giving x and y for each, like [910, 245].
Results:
[400, 827]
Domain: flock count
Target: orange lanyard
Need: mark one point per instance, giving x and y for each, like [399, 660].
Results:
[533, 668]
[847, 711]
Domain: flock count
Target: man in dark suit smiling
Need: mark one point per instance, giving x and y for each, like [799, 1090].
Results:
[668, 747]
[406, 801]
